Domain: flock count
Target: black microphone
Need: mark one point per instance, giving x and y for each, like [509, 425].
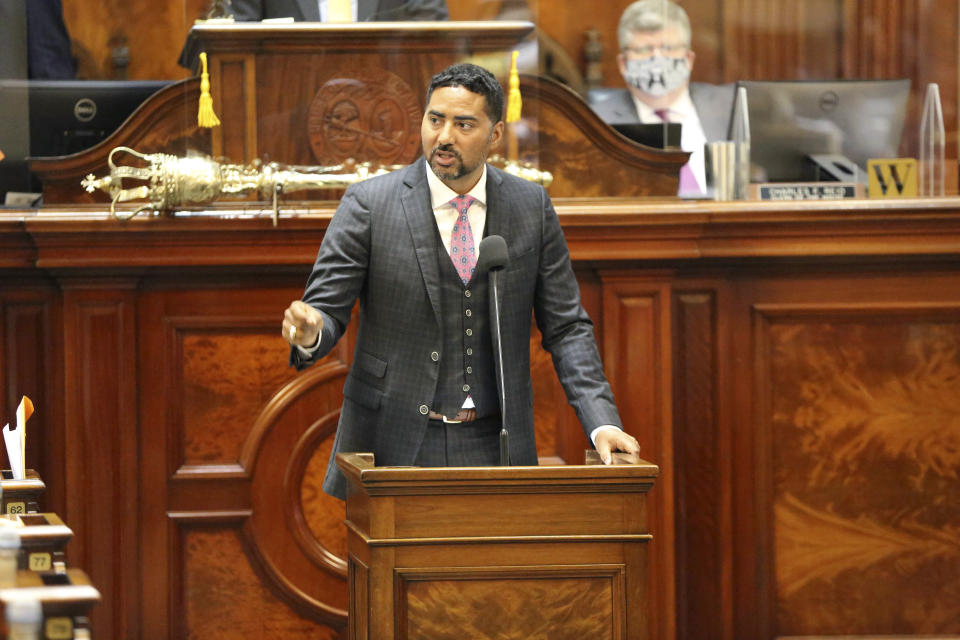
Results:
[493, 253]
[493, 257]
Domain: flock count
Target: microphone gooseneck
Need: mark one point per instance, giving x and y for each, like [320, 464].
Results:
[493, 257]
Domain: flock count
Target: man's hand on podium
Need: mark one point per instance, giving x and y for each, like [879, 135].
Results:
[301, 324]
[610, 440]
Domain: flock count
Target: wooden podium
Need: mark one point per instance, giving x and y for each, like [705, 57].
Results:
[497, 552]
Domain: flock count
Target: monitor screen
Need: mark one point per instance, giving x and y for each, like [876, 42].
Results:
[60, 117]
[791, 120]
[651, 135]
[67, 116]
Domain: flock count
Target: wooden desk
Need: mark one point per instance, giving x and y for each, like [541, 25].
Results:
[66, 599]
[43, 539]
[729, 332]
[550, 551]
[21, 496]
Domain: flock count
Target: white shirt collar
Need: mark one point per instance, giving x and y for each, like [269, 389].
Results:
[681, 109]
[441, 194]
[322, 4]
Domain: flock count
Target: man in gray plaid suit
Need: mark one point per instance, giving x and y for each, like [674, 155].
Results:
[423, 386]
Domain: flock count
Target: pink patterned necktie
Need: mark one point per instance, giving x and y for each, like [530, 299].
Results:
[688, 181]
[463, 253]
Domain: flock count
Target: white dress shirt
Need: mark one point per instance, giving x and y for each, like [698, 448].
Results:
[323, 10]
[446, 215]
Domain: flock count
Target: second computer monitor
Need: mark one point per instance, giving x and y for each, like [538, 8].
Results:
[793, 120]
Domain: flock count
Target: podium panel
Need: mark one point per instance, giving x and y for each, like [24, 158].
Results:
[560, 601]
[503, 552]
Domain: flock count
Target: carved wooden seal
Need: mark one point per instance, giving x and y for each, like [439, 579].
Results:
[366, 115]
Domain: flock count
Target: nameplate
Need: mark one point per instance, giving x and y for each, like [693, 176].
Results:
[59, 628]
[40, 561]
[806, 190]
[892, 177]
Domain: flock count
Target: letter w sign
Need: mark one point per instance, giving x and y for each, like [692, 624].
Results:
[892, 177]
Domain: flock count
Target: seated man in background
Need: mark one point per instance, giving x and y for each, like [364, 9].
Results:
[655, 61]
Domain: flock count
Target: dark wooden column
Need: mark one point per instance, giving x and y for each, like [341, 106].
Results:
[101, 448]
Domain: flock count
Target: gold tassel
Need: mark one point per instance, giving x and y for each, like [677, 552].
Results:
[205, 115]
[513, 99]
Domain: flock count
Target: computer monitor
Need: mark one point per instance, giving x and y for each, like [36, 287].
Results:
[659, 135]
[793, 120]
[67, 116]
[43, 118]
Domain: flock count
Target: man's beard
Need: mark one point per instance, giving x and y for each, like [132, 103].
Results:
[450, 173]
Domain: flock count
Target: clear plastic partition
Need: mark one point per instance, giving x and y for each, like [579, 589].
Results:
[213, 101]
[812, 99]
[333, 92]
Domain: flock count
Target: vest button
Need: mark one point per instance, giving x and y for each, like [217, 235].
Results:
[434, 356]
[468, 312]
[466, 387]
[469, 351]
[467, 293]
[424, 409]
[469, 332]
[469, 369]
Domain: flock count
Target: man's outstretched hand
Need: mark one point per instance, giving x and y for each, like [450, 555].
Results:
[301, 324]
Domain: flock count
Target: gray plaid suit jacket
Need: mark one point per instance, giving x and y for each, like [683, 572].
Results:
[381, 249]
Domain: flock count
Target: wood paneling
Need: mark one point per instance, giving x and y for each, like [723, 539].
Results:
[26, 353]
[233, 445]
[30, 366]
[637, 361]
[569, 24]
[100, 440]
[733, 40]
[524, 552]
[441, 609]
[861, 434]
[233, 93]
[701, 501]
[791, 367]
[225, 598]
[153, 32]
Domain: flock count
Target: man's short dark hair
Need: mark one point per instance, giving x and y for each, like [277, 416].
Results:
[474, 79]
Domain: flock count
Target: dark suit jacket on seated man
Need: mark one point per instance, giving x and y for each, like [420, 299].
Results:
[423, 385]
[366, 10]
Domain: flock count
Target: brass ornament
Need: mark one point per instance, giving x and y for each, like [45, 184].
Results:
[171, 181]
[524, 170]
